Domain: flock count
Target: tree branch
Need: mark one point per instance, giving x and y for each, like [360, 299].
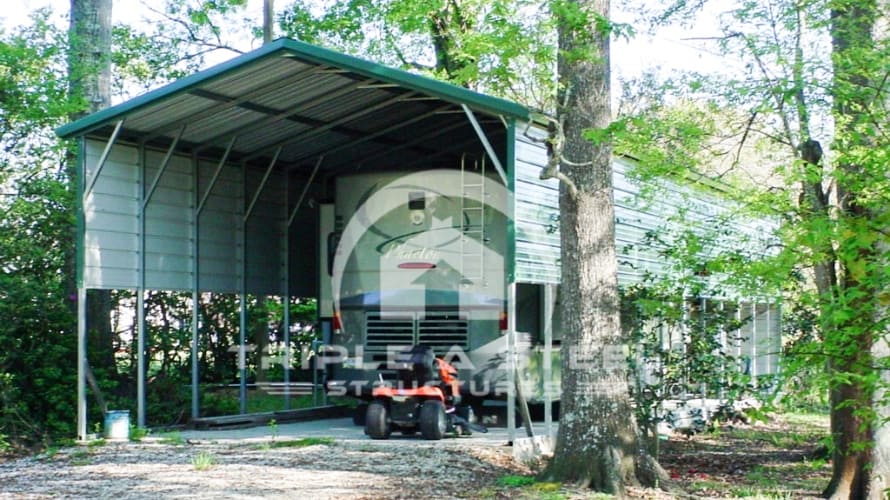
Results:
[555, 143]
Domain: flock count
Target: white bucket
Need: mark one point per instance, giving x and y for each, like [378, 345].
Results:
[117, 424]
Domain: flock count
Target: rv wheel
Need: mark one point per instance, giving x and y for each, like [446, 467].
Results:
[377, 421]
[433, 422]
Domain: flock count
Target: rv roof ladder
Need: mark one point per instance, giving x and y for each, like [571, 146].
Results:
[472, 203]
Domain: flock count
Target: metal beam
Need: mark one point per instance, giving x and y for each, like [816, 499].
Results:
[317, 131]
[163, 168]
[389, 150]
[259, 190]
[81, 363]
[219, 167]
[487, 145]
[293, 214]
[549, 302]
[291, 110]
[140, 360]
[278, 84]
[102, 159]
[377, 134]
[242, 308]
[140, 299]
[285, 271]
[196, 277]
[426, 159]
[511, 361]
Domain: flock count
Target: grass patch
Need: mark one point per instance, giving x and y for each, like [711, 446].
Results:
[172, 439]
[765, 460]
[81, 457]
[137, 434]
[529, 487]
[706, 486]
[203, 461]
[807, 422]
[758, 494]
[298, 443]
[302, 443]
[547, 491]
[514, 481]
[97, 443]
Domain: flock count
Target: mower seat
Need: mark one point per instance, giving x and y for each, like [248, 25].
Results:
[417, 365]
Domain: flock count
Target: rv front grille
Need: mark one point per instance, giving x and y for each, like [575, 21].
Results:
[382, 330]
[441, 331]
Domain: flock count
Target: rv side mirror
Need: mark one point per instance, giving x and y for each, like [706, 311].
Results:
[333, 241]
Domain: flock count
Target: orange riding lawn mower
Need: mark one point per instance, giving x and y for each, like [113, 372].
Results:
[423, 395]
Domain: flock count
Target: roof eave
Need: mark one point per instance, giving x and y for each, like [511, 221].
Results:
[303, 51]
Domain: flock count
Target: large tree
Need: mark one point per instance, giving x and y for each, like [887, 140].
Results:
[598, 442]
[89, 78]
[858, 278]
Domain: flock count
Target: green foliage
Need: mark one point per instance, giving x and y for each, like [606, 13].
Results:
[203, 461]
[218, 403]
[96, 443]
[514, 481]
[529, 487]
[172, 439]
[273, 428]
[180, 39]
[299, 443]
[36, 320]
[689, 319]
[782, 109]
[81, 457]
[137, 434]
[502, 47]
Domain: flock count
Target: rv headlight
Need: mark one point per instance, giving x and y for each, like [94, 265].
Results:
[417, 207]
[417, 217]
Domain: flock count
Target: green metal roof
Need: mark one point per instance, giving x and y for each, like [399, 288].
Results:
[306, 53]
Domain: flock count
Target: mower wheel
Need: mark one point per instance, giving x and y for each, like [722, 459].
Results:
[377, 421]
[433, 421]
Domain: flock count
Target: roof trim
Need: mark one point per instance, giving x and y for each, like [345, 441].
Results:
[304, 52]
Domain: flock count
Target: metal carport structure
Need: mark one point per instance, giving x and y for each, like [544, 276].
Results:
[198, 186]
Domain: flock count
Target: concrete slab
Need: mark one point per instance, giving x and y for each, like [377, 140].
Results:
[340, 429]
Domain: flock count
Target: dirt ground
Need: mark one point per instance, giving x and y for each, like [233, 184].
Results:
[772, 460]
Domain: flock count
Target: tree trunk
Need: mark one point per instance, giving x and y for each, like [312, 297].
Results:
[861, 457]
[89, 64]
[261, 338]
[880, 460]
[879, 480]
[89, 78]
[446, 27]
[598, 444]
[268, 21]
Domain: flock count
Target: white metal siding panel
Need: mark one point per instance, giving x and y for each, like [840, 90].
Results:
[536, 211]
[169, 217]
[264, 235]
[111, 235]
[219, 229]
[536, 218]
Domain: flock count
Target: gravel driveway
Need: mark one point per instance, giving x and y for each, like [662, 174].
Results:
[266, 462]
